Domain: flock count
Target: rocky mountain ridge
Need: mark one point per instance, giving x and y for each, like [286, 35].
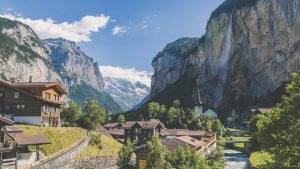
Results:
[126, 93]
[23, 54]
[244, 59]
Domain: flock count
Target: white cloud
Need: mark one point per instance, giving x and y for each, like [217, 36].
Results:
[132, 74]
[75, 31]
[118, 30]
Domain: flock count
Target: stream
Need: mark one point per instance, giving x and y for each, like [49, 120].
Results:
[236, 159]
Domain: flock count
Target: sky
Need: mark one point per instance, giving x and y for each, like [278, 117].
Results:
[118, 33]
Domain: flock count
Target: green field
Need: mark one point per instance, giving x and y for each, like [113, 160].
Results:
[100, 145]
[260, 158]
[60, 137]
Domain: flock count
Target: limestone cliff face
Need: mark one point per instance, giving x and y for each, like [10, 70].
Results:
[22, 54]
[73, 64]
[246, 54]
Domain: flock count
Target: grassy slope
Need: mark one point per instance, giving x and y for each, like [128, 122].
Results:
[61, 137]
[101, 145]
[259, 159]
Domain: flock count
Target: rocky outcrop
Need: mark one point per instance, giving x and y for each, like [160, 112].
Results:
[23, 54]
[73, 64]
[247, 53]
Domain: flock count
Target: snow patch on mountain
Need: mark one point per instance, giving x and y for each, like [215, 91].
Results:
[127, 86]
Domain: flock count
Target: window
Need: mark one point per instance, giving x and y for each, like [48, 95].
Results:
[56, 97]
[16, 95]
[20, 106]
[47, 95]
[137, 130]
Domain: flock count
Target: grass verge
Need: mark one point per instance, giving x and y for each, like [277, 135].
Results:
[99, 146]
[60, 137]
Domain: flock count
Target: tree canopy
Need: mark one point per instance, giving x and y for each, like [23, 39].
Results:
[278, 132]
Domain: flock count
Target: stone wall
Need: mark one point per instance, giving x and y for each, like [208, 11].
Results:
[93, 163]
[63, 158]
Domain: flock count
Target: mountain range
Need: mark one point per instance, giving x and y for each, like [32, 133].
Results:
[23, 54]
[244, 59]
[126, 86]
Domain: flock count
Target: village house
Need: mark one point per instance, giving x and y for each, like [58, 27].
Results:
[36, 103]
[246, 116]
[142, 131]
[199, 110]
[203, 147]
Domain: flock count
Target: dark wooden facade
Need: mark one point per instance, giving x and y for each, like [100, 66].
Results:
[142, 131]
[32, 102]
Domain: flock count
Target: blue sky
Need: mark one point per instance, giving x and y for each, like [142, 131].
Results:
[142, 28]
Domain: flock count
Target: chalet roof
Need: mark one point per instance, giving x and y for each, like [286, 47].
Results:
[261, 110]
[26, 93]
[100, 128]
[191, 141]
[184, 132]
[23, 139]
[264, 110]
[171, 132]
[6, 122]
[119, 132]
[40, 84]
[143, 124]
[172, 144]
[111, 125]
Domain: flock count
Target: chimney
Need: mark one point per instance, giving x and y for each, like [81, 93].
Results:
[30, 79]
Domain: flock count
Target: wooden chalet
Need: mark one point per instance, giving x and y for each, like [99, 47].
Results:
[36, 103]
[142, 131]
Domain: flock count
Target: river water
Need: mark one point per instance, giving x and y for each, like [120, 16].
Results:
[236, 159]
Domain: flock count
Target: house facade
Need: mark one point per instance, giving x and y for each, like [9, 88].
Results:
[142, 131]
[36, 103]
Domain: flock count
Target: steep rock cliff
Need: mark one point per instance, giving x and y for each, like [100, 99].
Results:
[23, 54]
[73, 64]
[247, 54]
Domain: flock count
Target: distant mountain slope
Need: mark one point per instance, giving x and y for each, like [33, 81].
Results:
[127, 86]
[23, 54]
[247, 54]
